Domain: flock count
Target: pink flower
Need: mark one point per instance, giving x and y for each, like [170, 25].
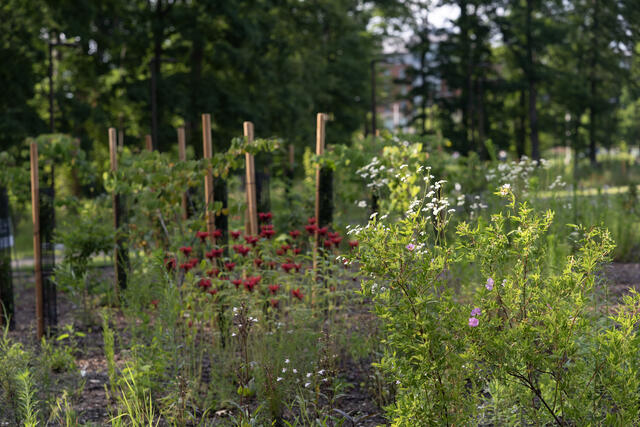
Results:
[476, 312]
[410, 247]
[473, 322]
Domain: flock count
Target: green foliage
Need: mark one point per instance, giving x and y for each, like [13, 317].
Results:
[534, 349]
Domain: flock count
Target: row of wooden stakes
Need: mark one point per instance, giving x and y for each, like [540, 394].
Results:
[120, 269]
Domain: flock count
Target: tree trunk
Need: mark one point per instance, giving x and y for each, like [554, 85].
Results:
[593, 108]
[533, 92]
[521, 124]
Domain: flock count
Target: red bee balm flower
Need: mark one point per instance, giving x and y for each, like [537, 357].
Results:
[285, 247]
[297, 293]
[336, 240]
[274, 289]
[214, 253]
[154, 303]
[212, 291]
[280, 251]
[354, 244]
[287, 266]
[294, 233]
[274, 303]
[229, 265]
[236, 234]
[202, 235]
[236, 282]
[311, 220]
[186, 266]
[216, 234]
[213, 272]
[242, 250]
[194, 262]
[258, 262]
[327, 243]
[297, 267]
[170, 263]
[265, 216]
[252, 240]
[204, 284]
[296, 251]
[311, 228]
[186, 250]
[322, 231]
[251, 283]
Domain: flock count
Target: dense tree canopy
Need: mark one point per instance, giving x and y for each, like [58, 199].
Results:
[524, 74]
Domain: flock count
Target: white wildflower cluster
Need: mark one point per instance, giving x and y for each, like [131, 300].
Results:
[374, 173]
[477, 206]
[557, 183]
[516, 173]
[307, 377]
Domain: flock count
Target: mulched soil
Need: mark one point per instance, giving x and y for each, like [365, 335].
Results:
[358, 402]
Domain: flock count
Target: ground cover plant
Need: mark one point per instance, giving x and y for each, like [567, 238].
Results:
[470, 295]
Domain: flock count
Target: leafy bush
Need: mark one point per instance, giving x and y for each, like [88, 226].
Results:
[529, 347]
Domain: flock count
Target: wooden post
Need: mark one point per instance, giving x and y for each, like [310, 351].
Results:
[182, 153]
[37, 248]
[321, 120]
[120, 256]
[291, 156]
[252, 206]
[148, 142]
[208, 180]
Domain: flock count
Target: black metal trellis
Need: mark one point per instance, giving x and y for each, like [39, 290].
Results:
[47, 243]
[6, 243]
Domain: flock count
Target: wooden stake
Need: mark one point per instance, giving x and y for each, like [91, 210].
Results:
[252, 205]
[208, 180]
[182, 153]
[321, 120]
[148, 142]
[291, 156]
[37, 248]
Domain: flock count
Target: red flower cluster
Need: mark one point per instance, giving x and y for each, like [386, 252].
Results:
[213, 253]
[237, 282]
[265, 216]
[267, 231]
[252, 282]
[170, 263]
[236, 234]
[294, 233]
[354, 244]
[202, 235]
[229, 265]
[311, 228]
[252, 240]
[204, 284]
[257, 262]
[216, 234]
[213, 272]
[189, 265]
[274, 289]
[297, 293]
[288, 266]
[241, 249]
[186, 250]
